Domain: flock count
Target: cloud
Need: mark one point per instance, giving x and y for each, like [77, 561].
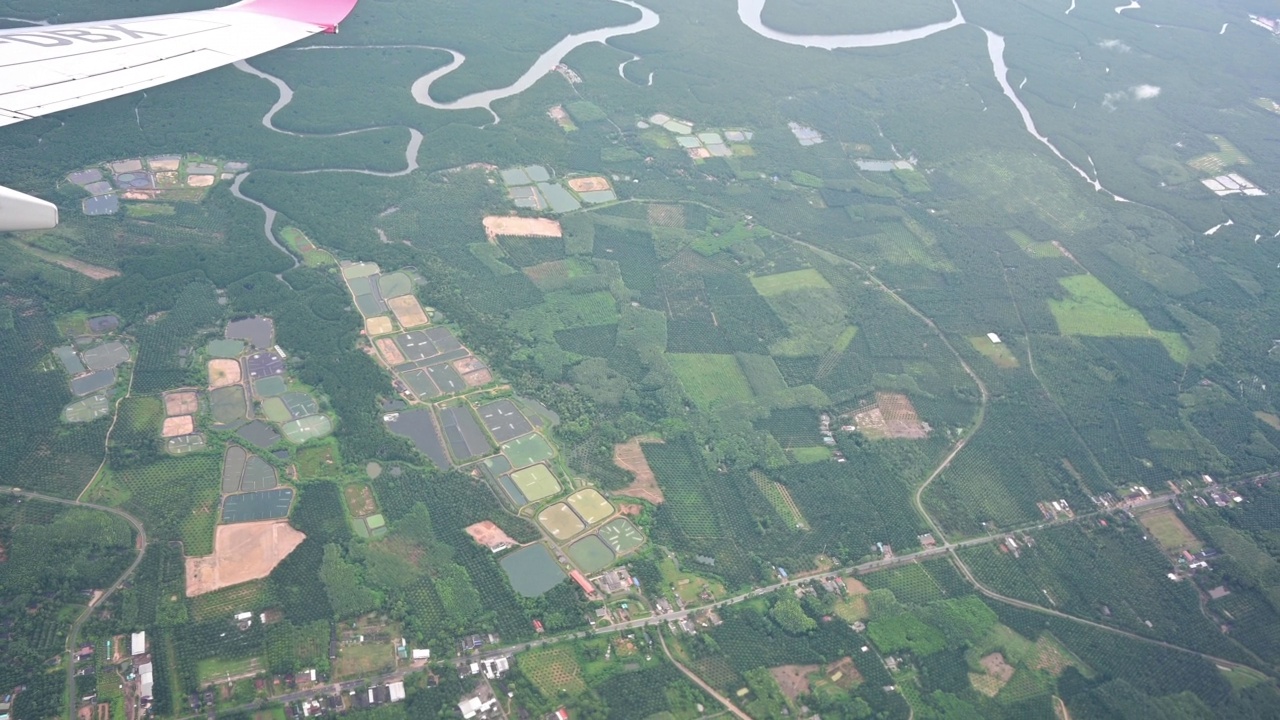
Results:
[1116, 45]
[1136, 93]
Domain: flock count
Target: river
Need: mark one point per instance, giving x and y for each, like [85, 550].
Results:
[545, 63]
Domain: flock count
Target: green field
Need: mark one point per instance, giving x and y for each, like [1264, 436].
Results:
[806, 455]
[307, 428]
[997, 353]
[711, 380]
[1092, 309]
[770, 285]
[302, 245]
[528, 450]
[217, 670]
[536, 482]
[1032, 247]
[229, 349]
[560, 521]
[590, 505]
[1215, 162]
[553, 671]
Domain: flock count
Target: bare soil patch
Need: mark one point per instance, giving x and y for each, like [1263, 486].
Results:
[178, 426]
[998, 672]
[476, 378]
[359, 500]
[843, 673]
[496, 225]
[223, 373]
[793, 680]
[201, 180]
[181, 403]
[389, 351]
[407, 311]
[892, 416]
[588, 184]
[380, 325]
[630, 457]
[241, 552]
[855, 586]
[490, 535]
[1050, 656]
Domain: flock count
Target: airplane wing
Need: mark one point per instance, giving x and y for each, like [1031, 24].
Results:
[48, 68]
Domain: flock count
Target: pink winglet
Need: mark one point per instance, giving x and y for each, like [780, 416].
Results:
[325, 13]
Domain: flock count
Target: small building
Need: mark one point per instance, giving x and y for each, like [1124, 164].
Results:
[1219, 592]
[138, 643]
[241, 617]
[396, 690]
[146, 680]
[583, 583]
[479, 703]
[421, 654]
[994, 338]
[537, 627]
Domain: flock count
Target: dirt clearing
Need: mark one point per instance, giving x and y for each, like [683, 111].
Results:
[490, 535]
[390, 351]
[178, 426]
[379, 325]
[181, 403]
[793, 680]
[93, 272]
[630, 457]
[408, 312]
[588, 184]
[241, 552]
[892, 416]
[223, 373]
[496, 225]
[201, 181]
[998, 672]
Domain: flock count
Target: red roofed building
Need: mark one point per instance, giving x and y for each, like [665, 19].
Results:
[537, 626]
[583, 583]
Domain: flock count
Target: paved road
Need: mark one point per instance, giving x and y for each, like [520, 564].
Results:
[75, 626]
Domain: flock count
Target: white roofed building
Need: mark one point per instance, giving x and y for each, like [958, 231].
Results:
[138, 643]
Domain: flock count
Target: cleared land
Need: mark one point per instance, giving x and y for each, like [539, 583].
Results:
[997, 674]
[408, 311]
[997, 353]
[181, 403]
[241, 552]
[588, 184]
[1093, 310]
[770, 285]
[223, 373]
[379, 325]
[1169, 530]
[498, 225]
[630, 457]
[710, 379]
[390, 352]
[793, 680]
[359, 500]
[175, 426]
[490, 535]
[893, 416]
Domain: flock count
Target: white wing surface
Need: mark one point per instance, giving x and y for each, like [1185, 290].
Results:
[45, 69]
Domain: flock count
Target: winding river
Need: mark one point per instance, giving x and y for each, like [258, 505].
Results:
[545, 63]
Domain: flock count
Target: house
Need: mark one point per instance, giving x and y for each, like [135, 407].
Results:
[614, 581]
[560, 714]
[494, 669]
[421, 654]
[138, 643]
[479, 703]
[538, 628]
[662, 606]
[396, 690]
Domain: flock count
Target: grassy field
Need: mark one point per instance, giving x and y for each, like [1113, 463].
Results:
[687, 585]
[1092, 309]
[361, 659]
[770, 285]
[553, 670]
[1170, 531]
[1215, 162]
[318, 461]
[711, 380]
[997, 353]
[806, 455]
[312, 256]
[214, 670]
[1033, 248]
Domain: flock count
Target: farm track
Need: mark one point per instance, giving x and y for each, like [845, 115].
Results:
[701, 683]
[75, 626]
